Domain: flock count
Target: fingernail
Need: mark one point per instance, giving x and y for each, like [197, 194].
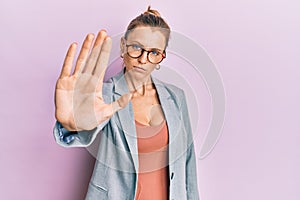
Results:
[131, 95]
[108, 38]
[90, 36]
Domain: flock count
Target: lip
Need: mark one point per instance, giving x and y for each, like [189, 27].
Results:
[139, 69]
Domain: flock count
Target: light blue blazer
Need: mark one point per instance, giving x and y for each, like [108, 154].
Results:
[114, 176]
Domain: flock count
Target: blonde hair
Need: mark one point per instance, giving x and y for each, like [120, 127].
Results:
[152, 12]
[150, 18]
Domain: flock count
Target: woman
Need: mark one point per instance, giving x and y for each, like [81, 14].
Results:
[146, 148]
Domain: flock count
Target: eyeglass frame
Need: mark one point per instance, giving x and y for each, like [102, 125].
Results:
[142, 52]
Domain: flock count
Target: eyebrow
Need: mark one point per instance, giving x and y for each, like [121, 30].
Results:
[133, 42]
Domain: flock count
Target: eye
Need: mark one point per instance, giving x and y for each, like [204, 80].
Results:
[154, 52]
[136, 47]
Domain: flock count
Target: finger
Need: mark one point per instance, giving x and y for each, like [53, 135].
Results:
[67, 66]
[121, 102]
[100, 37]
[103, 58]
[113, 107]
[95, 52]
[83, 53]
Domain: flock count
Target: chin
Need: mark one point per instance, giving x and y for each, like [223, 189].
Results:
[137, 74]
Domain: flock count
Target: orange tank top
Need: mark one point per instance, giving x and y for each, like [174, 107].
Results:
[153, 181]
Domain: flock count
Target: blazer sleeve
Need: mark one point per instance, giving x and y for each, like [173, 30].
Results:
[191, 169]
[68, 138]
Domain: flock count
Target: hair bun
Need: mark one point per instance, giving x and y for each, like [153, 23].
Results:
[152, 12]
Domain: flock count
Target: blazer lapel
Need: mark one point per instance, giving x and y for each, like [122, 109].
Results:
[172, 115]
[126, 118]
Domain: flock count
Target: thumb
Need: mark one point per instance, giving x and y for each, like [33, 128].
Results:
[121, 102]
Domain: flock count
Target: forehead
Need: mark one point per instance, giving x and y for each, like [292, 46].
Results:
[147, 36]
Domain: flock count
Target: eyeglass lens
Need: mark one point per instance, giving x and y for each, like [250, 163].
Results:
[153, 56]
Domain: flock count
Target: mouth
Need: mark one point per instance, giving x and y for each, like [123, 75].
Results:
[139, 68]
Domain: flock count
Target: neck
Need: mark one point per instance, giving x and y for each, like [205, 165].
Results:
[138, 85]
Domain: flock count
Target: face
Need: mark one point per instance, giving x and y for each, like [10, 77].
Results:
[148, 39]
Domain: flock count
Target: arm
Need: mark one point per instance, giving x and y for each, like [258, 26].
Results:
[191, 174]
[80, 106]
[191, 168]
[68, 138]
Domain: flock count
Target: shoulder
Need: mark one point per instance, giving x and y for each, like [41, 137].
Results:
[111, 82]
[170, 87]
[169, 90]
[108, 88]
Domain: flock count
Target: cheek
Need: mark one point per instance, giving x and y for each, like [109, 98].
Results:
[128, 61]
[152, 67]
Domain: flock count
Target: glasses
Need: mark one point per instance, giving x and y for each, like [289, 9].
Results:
[154, 56]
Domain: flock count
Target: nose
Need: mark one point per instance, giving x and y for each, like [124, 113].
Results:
[143, 58]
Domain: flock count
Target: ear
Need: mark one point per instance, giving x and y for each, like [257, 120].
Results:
[122, 45]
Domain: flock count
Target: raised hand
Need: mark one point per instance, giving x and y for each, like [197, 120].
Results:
[78, 97]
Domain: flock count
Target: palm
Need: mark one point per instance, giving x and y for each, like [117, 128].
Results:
[78, 98]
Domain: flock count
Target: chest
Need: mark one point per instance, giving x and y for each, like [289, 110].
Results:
[147, 110]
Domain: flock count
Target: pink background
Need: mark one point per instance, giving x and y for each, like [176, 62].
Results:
[255, 45]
